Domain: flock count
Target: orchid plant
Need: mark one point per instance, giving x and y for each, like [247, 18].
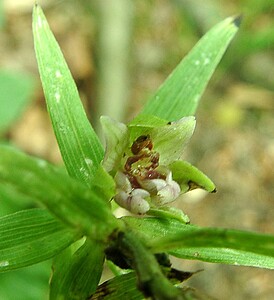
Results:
[141, 170]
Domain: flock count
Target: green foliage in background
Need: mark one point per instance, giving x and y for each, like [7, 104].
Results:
[15, 90]
[75, 225]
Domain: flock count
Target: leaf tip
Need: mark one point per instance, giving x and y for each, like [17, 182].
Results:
[36, 6]
[214, 191]
[237, 20]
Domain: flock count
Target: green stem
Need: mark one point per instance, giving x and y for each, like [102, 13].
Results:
[151, 280]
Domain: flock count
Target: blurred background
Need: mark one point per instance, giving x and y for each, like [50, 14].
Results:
[119, 52]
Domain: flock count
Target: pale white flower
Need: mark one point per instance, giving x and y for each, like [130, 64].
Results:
[145, 156]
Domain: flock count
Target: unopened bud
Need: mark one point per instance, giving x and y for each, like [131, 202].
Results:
[122, 182]
[134, 202]
[167, 194]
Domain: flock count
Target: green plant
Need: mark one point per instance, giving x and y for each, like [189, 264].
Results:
[15, 95]
[76, 227]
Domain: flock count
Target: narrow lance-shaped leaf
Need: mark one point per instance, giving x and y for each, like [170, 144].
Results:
[31, 236]
[215, 245]
[217, 237]
[80, 147]
[76, 275]
[179, 95]
[70, 200]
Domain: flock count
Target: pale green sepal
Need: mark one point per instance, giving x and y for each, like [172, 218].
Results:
[117, 139]
[104, 184]
[169, 212]
[170, 140]
[143, 124]
[190, 178]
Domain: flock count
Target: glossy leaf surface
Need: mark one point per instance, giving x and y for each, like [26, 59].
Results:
[208, 244]
[80, 147]
[30, 236]
[72, 202]
[76, 275]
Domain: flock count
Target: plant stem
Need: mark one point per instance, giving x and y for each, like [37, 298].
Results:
[151, 281]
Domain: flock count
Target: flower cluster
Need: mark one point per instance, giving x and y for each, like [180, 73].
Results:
[142, 180]
[145, 157]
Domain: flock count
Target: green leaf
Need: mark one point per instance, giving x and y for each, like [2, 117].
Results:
[179, 95]
[12, 201]
[215, 245]
[15, 94]
[151, 279]
[31, 282]
[68, 199]
[76, 275]
[189, 177]
[80, 147]
[119, 287]
[30, 236]
[125, 286]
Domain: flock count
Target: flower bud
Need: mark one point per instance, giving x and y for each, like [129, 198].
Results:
[122, 182]
[134, 201]
[167, 194]
[162, 191]
[138, 204]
